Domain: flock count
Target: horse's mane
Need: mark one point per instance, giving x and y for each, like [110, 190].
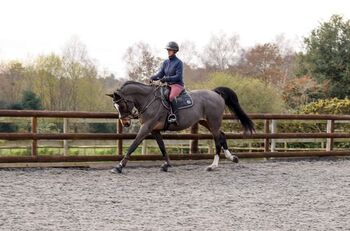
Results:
[133, 82]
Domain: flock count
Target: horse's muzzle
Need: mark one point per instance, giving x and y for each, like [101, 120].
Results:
[126, 122]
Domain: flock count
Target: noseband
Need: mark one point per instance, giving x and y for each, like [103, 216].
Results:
[132, 114]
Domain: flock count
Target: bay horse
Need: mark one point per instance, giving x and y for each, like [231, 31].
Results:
[142, 101]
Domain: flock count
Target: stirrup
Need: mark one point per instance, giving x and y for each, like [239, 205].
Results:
[172, 118]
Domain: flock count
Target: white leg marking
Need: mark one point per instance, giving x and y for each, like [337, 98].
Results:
[215, 163]
[228, 155]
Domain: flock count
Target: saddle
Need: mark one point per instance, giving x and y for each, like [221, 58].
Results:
[182, 101]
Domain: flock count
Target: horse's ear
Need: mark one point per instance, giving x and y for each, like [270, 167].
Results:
[110, 95]
[116, 95]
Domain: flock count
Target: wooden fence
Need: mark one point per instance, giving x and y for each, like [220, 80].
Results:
[269, 136]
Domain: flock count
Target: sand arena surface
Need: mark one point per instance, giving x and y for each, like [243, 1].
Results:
[299, 195]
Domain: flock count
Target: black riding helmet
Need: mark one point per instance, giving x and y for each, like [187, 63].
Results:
[172, 46]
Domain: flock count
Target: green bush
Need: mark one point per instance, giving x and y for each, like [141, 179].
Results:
[254, 95]
[327, 106]
[102, 128]
[8, 127]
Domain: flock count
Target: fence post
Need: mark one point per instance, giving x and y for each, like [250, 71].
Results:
[65, 142]
[34, 141]
[120, 141]
[194, 142]
[330, 141]
[144, 147]
[266, 130]
[273, 130]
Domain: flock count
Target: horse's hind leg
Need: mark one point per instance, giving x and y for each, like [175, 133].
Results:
[159, 139]
[214, 129]
[215, 163]
[227, 153]
[220, 142]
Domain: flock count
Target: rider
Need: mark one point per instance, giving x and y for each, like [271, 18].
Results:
[171, 73]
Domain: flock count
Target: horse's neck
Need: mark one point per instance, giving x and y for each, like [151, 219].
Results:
[139, 93]
[135, 89]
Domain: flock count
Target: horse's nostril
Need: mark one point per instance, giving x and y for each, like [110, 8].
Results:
[126, 123]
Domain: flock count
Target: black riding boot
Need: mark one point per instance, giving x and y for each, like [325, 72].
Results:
[173, 117]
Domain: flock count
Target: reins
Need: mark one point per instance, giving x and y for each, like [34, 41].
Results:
[150, 103]
[143, 110]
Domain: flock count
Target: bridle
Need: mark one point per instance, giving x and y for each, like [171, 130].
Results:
[134, 113]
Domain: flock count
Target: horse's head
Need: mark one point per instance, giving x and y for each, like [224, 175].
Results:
[131, 95]
[124, 107]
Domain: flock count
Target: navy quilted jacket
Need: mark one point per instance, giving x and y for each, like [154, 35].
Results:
[171, 70]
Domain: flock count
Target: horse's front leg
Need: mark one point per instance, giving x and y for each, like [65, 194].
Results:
[159, 139]
[141, 135]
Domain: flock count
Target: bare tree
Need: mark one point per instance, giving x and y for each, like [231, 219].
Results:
[221, 52]
[11, 77]
[141, 62]
[287, 50]
[189, 54]
[77, 64]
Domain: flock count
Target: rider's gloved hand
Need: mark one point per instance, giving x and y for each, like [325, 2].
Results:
[163, 80]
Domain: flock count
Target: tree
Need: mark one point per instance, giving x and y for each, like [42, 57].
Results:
[289, 55]
[11, 77]
[221, 52]
[31, 101]
[48, 71]
[76, 65]
[327, 56]
[188, 54]
[264, 62]
[299, 91]
[140, 61]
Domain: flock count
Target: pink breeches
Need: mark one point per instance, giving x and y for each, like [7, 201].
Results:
[175, 90]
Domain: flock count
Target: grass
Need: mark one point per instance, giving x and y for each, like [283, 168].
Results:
[90, 151]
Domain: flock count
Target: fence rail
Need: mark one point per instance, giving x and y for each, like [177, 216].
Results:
[269, 136]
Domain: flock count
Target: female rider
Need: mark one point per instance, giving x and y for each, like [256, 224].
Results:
[171, 73]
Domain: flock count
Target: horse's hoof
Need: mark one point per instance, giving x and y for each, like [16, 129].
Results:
[235, 159]
[164, 167]
[210, 168]
[117, 169]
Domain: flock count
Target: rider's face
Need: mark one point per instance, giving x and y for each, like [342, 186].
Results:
[171, 53]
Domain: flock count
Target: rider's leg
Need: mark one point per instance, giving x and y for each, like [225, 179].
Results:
[173, 117]
[175, 90]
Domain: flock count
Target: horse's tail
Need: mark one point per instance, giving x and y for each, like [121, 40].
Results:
[231, 101]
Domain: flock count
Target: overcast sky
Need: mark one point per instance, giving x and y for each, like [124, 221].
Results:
[32, 27]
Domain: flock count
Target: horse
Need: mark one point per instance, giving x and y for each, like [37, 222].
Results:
[143, 101]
